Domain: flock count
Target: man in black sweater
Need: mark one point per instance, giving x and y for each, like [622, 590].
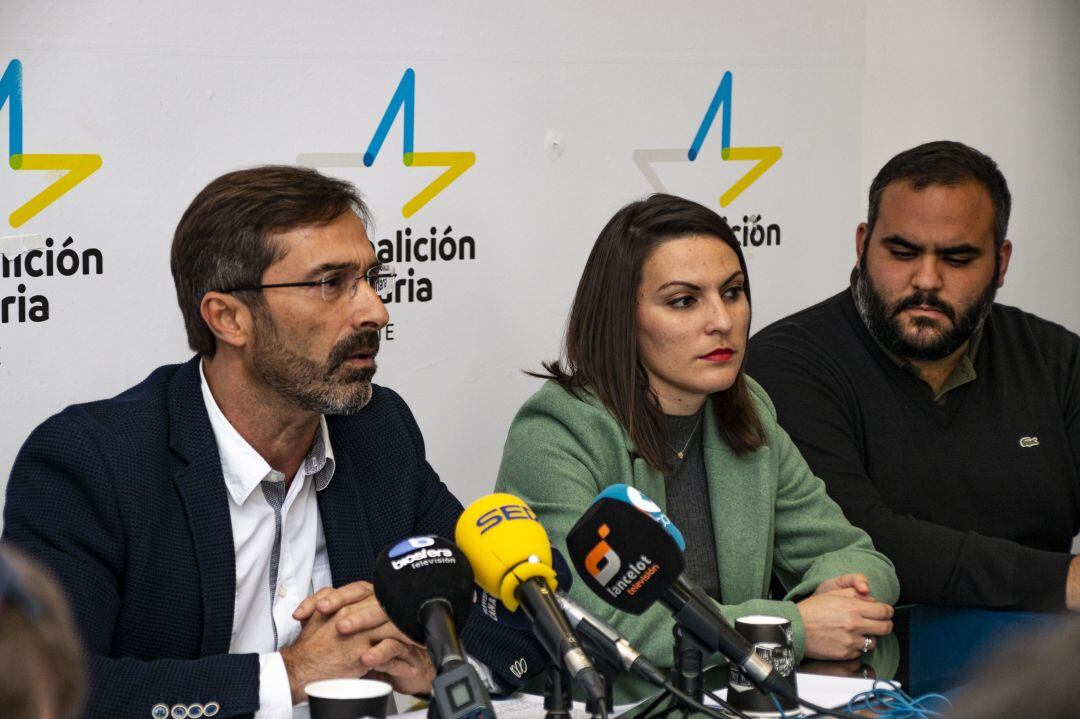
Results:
[945, 425]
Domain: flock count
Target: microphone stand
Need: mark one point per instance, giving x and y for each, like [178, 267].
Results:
[557, 695]
[609, 672]
[557, 699]
[456, 691]
[689, 664]
[686, 676]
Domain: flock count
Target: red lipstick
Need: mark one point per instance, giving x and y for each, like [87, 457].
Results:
[720, 354]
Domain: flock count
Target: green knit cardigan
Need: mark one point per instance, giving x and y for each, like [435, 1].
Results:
[770, 513]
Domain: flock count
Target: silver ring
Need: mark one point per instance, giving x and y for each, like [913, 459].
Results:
[868, 644]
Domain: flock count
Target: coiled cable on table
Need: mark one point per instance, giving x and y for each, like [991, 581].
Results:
[887, 699]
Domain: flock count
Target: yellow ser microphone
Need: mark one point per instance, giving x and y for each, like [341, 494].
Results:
[505, 545]
[511, 559]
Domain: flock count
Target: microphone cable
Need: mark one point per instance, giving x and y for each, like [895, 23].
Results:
[887, 699]
[705, 708]
[802, 702]
[623, 527]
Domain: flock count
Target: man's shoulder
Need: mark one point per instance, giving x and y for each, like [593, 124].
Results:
[385, 425]
[1018, 336]
[1010, 320]
[814, 325]
[93, 443]
[137, 408]
[821, 351]
[824, 338]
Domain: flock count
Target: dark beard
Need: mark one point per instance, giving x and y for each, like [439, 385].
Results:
[308, 384]
[883, 324]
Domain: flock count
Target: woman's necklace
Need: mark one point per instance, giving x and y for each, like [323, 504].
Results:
[682, 452]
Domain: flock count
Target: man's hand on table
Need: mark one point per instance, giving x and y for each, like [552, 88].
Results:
[346, 633]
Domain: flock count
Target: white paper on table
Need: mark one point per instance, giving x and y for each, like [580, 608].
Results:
[524, 706]
[825, 691]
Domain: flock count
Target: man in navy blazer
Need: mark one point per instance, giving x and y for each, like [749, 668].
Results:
[183, 575]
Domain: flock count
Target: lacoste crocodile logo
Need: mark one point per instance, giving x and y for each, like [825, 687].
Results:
[1029, 442]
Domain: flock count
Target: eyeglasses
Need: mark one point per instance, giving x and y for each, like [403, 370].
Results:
[338, 283]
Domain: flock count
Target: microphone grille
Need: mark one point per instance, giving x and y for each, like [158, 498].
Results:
[623, 555]
[416, 570]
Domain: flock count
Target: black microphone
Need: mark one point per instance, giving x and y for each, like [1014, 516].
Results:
[425, 585]
[607, 641]
[631, 561]
[599, 637]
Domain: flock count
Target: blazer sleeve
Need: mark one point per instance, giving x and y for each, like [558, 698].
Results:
[61, 509]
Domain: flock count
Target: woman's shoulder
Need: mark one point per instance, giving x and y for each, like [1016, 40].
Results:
[555, 400]
[554, 411]
[564, 435]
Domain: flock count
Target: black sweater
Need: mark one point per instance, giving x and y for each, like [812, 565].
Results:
[975, 501]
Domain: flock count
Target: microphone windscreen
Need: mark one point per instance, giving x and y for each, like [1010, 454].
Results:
[496, 611]
[625, 557]
[417, 570]
[505, 544]
[626, 493]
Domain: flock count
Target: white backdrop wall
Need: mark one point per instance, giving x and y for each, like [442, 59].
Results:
[1004, 77]
[561, 103]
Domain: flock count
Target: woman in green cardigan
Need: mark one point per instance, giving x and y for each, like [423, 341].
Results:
[651, 393]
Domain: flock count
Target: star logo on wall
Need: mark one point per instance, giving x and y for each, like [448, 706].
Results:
[403, 102]
[75, 167]
[763, 157]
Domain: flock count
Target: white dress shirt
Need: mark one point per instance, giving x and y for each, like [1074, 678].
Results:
[259, 616]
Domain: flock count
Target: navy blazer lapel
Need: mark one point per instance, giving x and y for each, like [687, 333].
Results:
[345, 526]
[202, 488]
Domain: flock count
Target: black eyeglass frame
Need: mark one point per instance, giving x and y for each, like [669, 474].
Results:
[371, 279]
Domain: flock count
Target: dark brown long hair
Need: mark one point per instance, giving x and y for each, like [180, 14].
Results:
[601, 347]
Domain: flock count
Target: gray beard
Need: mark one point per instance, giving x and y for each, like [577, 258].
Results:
[306, 383]
[297, 380]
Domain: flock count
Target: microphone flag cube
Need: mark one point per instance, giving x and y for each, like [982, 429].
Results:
[626, 493]
[626, 557]
[416, 570]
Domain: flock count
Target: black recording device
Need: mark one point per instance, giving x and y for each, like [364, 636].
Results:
[630, 554]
